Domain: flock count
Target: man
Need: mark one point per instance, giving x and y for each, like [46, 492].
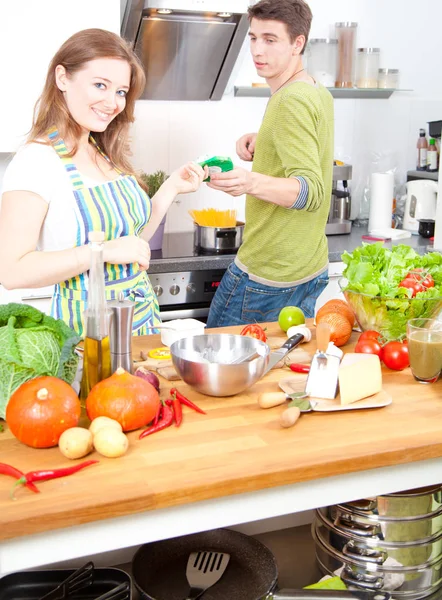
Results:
[283, 260]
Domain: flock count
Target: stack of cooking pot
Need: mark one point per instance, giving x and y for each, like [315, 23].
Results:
[390, 543]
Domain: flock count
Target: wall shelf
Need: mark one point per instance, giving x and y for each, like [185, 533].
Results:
[264, 92]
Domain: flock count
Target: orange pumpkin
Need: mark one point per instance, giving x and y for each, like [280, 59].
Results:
[130, 400]
[41, 409]
[340, 328]
[336, 305]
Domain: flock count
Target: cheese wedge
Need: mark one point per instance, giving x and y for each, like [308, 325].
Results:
[360, 376]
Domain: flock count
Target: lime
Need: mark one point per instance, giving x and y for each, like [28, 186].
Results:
[290, 315]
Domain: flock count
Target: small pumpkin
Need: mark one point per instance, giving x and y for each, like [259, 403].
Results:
[336, 305]
[130, 400]
[340, 328]
[41, 409]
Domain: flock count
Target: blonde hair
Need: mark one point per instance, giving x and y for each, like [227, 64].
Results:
[51, 110]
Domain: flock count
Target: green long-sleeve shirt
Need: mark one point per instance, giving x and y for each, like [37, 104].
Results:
[286, 245]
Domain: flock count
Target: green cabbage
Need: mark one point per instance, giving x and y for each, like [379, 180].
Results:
[33, 344]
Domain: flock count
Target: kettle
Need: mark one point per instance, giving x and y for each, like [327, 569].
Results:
[420, 203]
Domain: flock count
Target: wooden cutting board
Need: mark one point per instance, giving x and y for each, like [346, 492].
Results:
[161, 366]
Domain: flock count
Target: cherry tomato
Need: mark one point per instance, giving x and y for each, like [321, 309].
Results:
[422, 277]
[395, 356]
[369, 335]
[254, 331]
[428, 281]
[412, 284]
[368, 346]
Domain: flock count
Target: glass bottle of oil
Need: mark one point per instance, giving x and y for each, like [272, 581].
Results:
[96, 357]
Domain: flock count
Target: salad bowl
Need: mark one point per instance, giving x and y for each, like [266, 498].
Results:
[386, 287]
[389, 316]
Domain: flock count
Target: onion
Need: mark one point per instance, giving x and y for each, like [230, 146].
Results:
[148, 376]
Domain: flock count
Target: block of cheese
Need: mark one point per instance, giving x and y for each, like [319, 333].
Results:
[360, 376]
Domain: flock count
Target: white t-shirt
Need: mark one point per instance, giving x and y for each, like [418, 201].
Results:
[37, 168]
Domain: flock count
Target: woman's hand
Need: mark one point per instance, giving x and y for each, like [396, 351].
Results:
[187, 178]
[127, 249]
[245, 146]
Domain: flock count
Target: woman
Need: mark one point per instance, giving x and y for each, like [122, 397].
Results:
[73, 176]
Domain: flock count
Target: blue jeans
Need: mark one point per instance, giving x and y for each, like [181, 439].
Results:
[239, 301]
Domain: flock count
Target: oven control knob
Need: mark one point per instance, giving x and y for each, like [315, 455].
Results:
[191, 288]
[158, 290]
[174, 290]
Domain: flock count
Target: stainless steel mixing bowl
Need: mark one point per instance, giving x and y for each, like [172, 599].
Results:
[202, 361]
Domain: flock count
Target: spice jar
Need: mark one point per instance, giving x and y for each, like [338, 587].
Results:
[367, 66]
[346, 36]
[322, 59]
[388, 78]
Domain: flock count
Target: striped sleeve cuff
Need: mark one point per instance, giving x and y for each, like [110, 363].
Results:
[301, 200]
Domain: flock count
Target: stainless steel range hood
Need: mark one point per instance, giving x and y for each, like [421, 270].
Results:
[188, 47]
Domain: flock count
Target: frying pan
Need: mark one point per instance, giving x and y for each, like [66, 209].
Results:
[159, 570]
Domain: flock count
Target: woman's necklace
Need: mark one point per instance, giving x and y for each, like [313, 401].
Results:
[287, 80]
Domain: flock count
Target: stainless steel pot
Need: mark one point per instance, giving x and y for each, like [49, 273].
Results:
[376, 550]
[404, 505]
[218, 239]
[424, 528]
[366, 570]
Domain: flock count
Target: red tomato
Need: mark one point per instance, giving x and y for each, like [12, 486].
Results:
[369, 335]
[412, 284]
[395, 356]
[428, 281]
[422, 277]
[254, 331]
[368, 346]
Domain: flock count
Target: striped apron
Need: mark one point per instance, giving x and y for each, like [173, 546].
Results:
[119, 207]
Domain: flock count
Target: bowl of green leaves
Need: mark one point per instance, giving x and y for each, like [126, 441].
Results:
[386, 287]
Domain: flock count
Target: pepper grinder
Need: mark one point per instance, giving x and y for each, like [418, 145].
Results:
[121, 333]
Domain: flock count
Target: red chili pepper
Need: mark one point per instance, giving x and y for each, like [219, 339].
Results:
[158, 414]
[46, 475]
[176, 394]
[175, 404]
[16, 473]
[163, 423]
[178, 411]
[298, 368]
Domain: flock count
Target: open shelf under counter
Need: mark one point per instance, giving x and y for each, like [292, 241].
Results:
[264, 92]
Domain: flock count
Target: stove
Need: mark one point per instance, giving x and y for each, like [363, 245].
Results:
[184, 277]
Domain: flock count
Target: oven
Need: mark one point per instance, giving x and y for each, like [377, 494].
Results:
[185, 278]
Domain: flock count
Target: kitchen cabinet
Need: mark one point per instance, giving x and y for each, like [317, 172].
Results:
[40, 298]
[30, 34]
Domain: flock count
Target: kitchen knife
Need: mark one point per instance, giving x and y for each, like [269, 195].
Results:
[279, 354]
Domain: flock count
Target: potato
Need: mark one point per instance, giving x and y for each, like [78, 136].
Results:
[289, 416]
[270, 399]
[101, 422]
[110, 442]
[75, 442]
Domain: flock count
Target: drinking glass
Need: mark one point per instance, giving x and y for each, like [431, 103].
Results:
[425, 349]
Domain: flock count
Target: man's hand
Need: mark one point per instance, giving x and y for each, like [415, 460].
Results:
[245, 146]
[235, 182]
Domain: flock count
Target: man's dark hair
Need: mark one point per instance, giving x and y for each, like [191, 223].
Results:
[296, 15]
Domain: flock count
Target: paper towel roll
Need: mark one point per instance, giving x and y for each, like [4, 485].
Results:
[381, 200]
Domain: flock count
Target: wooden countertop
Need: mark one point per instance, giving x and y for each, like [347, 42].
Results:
[236, 448]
